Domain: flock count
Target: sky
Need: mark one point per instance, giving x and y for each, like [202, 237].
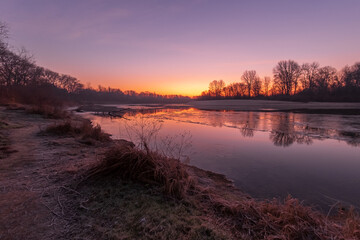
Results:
[178, 47]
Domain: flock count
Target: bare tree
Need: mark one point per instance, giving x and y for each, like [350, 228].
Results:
[351, 76]
[216, 87]
[257, 87]
[267, 81]
[249, 77]
[25, 69]
[326, 77]
[3, 36]
[309, 73]
[228, 91]
[287, 73]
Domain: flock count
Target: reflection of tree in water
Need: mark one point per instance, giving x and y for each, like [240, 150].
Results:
[250, 123]
[352, 138]
[286, 139]
[217, 119]
[245, 121]
[284, 133]
[282, 138]
[247, 132]
[285, 128]
[303, 139]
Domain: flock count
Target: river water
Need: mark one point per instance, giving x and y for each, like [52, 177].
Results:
[313, 157]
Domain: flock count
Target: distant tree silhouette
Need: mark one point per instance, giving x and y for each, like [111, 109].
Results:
[309, 73]
[310, 82]
[287, 74]
[325, 79]
[267, 82]
[234, 90]
[216, 87]
[249, 77]
[257, 87]
[351, 76]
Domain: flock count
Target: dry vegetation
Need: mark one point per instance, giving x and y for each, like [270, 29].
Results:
[241, 217]
[48, 111]
[284, 220]
[152, 168]
[79, 128]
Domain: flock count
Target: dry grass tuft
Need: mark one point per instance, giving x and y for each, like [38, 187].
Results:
[48, 111]
[90, 131]
[282, 220]
[84, 129]
[130, 163]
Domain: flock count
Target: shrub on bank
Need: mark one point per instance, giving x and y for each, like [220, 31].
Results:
[48, 111]
[130, 163]
[84, 129]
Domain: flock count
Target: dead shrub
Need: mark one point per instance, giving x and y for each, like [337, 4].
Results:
[130, 163]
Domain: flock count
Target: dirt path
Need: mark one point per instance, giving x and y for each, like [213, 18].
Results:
[33, 176]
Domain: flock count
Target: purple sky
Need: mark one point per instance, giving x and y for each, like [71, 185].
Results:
[180, 46]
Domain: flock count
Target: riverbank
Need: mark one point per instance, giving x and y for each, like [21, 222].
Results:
[119, 110]
[277, 106]
[47, 194]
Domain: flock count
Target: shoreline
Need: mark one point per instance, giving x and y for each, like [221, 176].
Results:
[277, 106]
[240, 105]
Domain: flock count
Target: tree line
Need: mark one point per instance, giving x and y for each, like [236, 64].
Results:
[21, 79]
[292, 81]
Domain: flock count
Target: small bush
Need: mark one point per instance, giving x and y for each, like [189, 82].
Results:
[130, 163]
[48, 111]
[85, 130]
[89, 131]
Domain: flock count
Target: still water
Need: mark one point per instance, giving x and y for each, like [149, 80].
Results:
[313, 157]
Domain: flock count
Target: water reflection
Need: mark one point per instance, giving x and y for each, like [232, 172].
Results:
[284, 133]
[286, 139]
[354, 138]
[285, 128]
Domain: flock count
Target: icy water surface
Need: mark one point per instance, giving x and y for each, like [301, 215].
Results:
[313, 157]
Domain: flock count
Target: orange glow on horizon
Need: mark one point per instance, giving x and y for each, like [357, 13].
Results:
[186, 87]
